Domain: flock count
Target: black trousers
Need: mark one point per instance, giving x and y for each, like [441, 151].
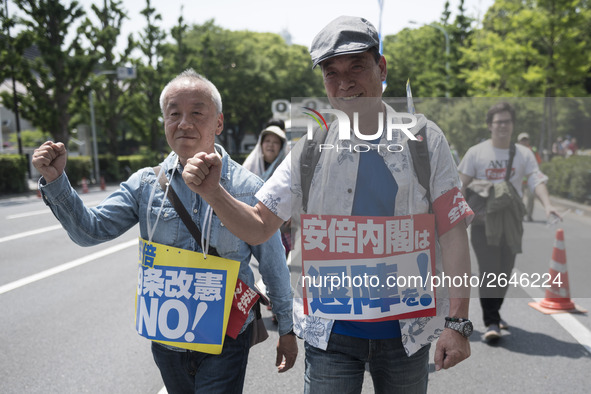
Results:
[492, 261]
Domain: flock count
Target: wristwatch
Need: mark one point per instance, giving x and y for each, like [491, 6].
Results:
[463, 326]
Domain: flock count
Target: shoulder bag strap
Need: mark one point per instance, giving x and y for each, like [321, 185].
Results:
[182, 211]
[510, 163]
[419, 152]
[308, 160]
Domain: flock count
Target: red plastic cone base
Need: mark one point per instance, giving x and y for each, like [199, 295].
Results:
[557, 303]
[547, 311]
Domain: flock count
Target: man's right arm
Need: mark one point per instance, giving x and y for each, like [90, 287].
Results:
[253, 225]
[466, 180]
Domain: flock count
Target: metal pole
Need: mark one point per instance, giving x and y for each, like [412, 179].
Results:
[14, 94]
[441, 29]
[1, 133]
[381, 4]
[126, 73]
[94, 143]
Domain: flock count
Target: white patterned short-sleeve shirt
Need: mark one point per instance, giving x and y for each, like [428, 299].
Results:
[332, 192]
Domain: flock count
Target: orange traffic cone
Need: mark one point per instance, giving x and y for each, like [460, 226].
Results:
[103, 186]
[557, 298]
[84, 185]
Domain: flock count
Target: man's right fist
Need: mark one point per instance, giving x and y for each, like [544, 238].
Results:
[50, 160]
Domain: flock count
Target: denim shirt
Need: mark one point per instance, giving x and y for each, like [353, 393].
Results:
[129, 205]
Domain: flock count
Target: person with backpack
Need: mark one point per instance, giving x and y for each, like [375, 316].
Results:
[369, 181]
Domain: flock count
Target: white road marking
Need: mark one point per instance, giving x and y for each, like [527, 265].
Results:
[566, 320]
[163, 391]
[44, 211]
[27, 214]
[66, 266]
[573, 327]
[29, 233]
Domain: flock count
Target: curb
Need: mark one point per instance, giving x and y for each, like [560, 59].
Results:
[561, 202]
[31, 194]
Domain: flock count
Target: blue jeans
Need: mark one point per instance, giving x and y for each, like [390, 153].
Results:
[190, 372]
[340, 368]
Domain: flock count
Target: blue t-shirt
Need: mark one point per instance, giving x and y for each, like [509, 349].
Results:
[375, 195]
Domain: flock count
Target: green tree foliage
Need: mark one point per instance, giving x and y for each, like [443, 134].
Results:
[250, 70]
[176, 57]
[7, 55]
[11, 60]
[410, 55]
[151, 79]
[464, 119]
[531, 48]
[31, 138]
[52, 78]
[111, 103]
[523, 48]
[420, 55]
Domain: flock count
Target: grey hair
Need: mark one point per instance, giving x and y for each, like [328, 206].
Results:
[192, 76]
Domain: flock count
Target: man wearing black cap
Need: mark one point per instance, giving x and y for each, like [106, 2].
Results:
[360, 183]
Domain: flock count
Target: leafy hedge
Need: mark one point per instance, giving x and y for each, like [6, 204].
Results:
[13, 169]
[13, 173]
[112, 168]
[78, 167]
[569, 177]
[130, 164]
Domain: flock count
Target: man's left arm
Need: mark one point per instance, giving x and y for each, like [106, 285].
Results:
[542, 192]
[536, 181]
[452, 347]
[452, 214]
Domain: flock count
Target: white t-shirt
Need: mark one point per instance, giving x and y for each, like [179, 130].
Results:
[485, 162]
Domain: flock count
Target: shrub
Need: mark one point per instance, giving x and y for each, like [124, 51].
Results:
[78, 167]
[109, 168]
[13, 173]
[130, 164]
[569, 177]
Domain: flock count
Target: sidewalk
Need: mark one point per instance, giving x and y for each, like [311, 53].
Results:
[32, 194]
[572, 205]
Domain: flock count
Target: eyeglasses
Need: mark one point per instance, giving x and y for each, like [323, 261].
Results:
[506, 122]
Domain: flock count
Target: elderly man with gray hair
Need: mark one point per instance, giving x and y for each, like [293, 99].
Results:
[192, 110]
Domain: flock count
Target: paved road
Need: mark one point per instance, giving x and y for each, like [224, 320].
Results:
[537, 354]
[71, 330]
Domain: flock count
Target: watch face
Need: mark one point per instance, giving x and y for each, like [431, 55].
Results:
[468, 329]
